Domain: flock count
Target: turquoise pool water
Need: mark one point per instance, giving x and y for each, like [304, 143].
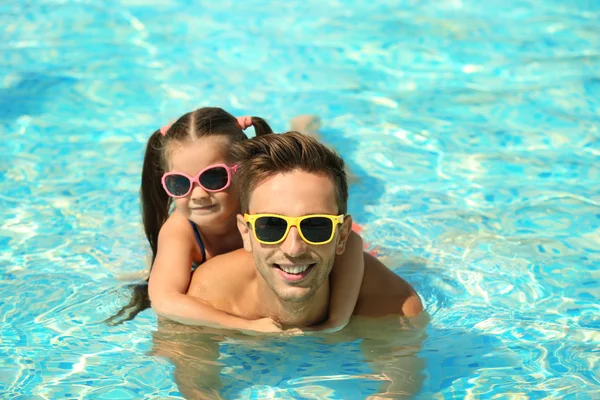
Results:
[474, 127]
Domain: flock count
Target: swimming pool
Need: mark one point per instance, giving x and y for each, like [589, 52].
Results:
[474, 127]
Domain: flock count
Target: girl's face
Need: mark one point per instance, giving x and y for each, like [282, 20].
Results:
[205, 209]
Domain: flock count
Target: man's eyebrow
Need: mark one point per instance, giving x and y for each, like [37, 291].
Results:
[302, 215]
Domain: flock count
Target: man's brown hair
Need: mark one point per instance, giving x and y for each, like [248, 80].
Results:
[265, 156]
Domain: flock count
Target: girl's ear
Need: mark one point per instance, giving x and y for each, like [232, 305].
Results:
[245, 232]
[345, 231]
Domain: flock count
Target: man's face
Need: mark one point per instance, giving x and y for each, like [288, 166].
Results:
[294, 194]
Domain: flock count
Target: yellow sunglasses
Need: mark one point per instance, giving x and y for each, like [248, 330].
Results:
[314, 229]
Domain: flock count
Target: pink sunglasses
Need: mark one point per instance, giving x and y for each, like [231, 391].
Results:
[213, 178]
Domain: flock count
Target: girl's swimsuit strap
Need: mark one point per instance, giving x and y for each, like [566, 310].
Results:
[199, 240]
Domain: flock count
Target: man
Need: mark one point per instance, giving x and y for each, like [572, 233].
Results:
[292, 175]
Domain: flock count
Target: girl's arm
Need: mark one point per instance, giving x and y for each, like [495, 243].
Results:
[170, 278]
[346, 280]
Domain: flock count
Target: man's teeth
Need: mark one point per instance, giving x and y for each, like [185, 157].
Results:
[294, 269]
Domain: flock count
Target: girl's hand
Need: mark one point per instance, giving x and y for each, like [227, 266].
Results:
[294, 332]
[265, 325]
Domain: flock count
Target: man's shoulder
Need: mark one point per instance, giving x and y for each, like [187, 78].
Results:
[225, 273]
[383, 292]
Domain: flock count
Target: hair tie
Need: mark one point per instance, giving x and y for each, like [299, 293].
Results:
[165, 129]
[244, 122]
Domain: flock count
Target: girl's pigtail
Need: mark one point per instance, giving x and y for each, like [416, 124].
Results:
[155, 201]
[261, 127]
[155, 211]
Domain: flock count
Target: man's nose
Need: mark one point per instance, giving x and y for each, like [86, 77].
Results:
[293, 245]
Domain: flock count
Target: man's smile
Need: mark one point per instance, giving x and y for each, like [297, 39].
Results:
[294, 272]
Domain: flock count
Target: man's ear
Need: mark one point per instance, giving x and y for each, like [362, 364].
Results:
[345, 231]
[245, 232]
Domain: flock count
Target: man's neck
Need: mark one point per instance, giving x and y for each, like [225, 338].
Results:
[294, 313]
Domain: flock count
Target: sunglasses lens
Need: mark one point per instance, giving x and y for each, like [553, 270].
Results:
[317, 229]
[177, 185]
[214, 178]
[270, 229]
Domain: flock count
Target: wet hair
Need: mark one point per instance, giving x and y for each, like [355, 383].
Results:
[263, 157]
[156, 204]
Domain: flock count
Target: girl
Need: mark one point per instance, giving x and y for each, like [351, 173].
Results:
[187, 164]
